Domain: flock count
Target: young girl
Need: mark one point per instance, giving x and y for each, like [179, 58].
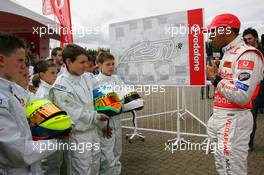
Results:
[47, 73]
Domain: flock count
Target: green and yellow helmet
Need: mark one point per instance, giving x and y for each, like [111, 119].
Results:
[46, 120]
[106, 101]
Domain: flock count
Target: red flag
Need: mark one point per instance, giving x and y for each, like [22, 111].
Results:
[61, 9]
[46, 7]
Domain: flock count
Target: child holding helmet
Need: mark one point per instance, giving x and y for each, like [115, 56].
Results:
[111, 147]
[46, 72]
[72, 92]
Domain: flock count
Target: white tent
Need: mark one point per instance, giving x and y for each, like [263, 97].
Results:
[24, 22]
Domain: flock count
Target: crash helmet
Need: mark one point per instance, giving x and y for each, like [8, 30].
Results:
[107, 101]
[132, 101]
[46, 120]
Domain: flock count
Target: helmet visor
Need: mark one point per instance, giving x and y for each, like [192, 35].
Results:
[42, 114]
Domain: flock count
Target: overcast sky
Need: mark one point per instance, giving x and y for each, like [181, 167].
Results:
[98, 14]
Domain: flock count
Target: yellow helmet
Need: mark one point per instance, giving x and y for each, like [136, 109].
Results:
[46, 120]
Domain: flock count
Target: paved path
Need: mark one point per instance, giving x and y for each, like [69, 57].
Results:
[150, 157]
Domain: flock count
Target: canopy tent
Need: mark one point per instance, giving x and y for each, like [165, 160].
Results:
[17, 19]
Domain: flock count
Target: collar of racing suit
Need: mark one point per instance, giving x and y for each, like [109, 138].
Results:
[237, 41]
[7, 85]
[102, 76]
[73, 78]
[45, 85]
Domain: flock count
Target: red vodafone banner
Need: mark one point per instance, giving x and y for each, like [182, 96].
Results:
[196, 47]
[61, 9]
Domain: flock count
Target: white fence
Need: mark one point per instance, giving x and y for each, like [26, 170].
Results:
[161, 110]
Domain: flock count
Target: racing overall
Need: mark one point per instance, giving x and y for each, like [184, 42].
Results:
[229, 128]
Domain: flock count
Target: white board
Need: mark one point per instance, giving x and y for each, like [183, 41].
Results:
[153, 50]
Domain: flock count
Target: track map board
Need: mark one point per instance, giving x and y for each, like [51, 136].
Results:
[160, 50]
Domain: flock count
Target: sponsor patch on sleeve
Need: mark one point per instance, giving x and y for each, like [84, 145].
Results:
[245, 64]
[244, 76]
[60, 87]
[3, 103]
[242, 86]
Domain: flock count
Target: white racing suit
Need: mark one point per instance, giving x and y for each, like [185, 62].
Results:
[24, 95]
[111, 148]
[43, 90]
[229, 128]
[74, 95]
[51, 165]
[18, 152]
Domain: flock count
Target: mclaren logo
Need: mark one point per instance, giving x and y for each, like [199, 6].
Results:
[228, 166]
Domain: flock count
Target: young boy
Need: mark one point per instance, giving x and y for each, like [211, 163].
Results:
[111, 148]
[89, 67]
[22, 84]
[18, 152]
[72, 92]
[89, 64]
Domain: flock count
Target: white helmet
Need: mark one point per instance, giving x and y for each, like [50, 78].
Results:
[132, 101]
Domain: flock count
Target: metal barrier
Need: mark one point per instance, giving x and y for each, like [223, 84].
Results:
[180, 111]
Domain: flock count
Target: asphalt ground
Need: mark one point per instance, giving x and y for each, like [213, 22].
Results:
[152, 158]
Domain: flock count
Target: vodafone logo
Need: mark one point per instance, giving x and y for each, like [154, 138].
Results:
[226, 135]
[196, 47]
[60, 4]
[245, 64]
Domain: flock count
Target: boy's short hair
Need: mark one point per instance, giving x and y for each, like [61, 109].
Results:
[55, 50]
[43, 66]
[72, 51]
[90, 58]
[9, 43]
[105, 56]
